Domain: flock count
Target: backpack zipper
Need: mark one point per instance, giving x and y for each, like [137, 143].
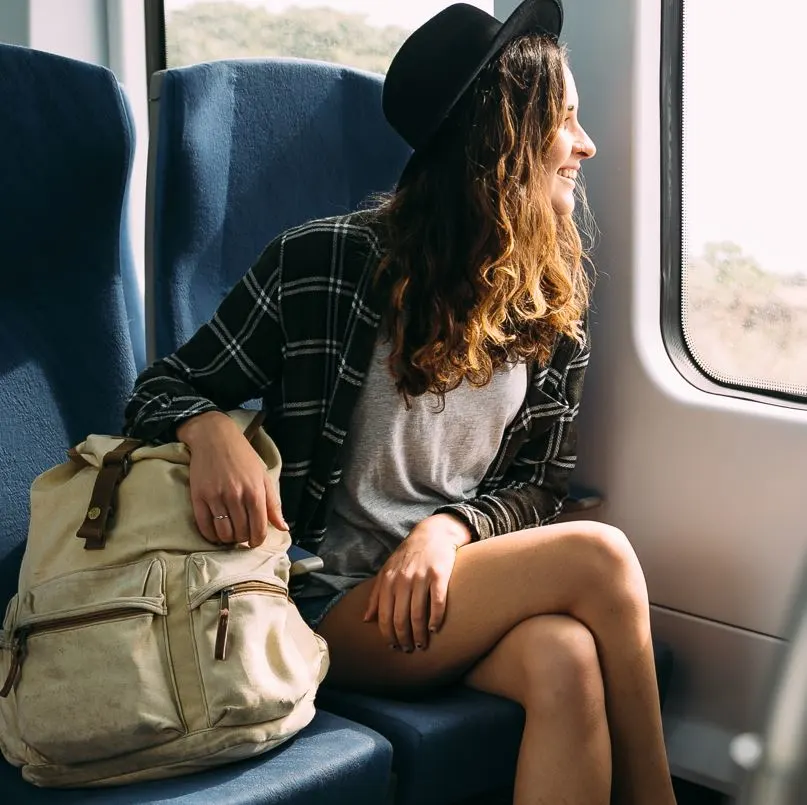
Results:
[222, 633]
[23, 632]
[20, 636]
[223, 629]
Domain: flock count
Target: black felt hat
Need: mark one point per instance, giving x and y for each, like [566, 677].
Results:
[440, 60]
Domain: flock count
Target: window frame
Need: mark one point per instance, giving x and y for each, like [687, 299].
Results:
[671, 86]
[154, 11]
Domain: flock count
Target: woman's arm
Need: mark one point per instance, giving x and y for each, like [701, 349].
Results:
[536, 483]
[231, 359]
[410, 592]
[236, 356]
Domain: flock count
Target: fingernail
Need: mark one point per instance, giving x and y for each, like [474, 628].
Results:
[285, 525]
[432, 629]
[408, 649]
[394, 647]
[419, 645]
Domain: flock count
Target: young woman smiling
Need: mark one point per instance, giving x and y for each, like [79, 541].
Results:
[421, 365]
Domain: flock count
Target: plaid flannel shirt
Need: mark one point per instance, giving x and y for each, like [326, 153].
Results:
[298, 331]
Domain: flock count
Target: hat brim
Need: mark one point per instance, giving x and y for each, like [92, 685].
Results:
[536, 17]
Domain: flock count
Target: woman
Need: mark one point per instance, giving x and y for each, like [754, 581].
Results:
[421, 365]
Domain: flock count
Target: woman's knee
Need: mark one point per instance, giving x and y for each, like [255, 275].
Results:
[559, 666]
[613, 575]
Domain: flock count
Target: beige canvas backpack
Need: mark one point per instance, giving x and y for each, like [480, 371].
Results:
[149, 652]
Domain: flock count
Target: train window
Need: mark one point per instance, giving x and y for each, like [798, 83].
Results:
[359, 33]
[743, 282]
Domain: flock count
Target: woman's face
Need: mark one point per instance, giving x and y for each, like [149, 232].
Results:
[571, 146]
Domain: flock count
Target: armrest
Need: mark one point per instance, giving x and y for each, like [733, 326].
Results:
[581, 499]
[303, 562]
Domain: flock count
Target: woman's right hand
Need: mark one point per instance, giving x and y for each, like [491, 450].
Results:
[233, 496]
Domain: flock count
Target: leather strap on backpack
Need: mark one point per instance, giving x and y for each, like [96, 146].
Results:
[114, 468]
[252, 428]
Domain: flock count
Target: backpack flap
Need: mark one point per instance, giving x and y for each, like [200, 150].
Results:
[138, 502]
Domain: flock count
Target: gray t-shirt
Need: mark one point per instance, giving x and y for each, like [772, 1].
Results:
[400, 465]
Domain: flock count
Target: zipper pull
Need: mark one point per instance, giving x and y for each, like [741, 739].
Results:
[16, 663]
[224, 625]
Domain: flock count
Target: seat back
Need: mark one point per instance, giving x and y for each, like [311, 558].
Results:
[71, 329]
[240, 151]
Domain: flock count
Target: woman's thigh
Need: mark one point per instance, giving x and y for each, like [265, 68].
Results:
[496, 584]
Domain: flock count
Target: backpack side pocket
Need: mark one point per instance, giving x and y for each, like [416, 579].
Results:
[95, 679]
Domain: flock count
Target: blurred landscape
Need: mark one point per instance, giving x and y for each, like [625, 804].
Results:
[741, 323]
[216, 30]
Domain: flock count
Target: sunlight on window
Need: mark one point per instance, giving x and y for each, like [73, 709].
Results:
[745, 271]
[360, 33]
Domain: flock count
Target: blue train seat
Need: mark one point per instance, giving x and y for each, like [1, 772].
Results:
[71, 325]
[71, 330]
[240, 151]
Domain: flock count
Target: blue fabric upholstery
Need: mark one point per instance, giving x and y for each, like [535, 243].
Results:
[69, 305]
[450, 746]
[243, 150]
[71, 334]
[331, 761]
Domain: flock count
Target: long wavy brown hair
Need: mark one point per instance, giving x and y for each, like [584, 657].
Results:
[482, 270]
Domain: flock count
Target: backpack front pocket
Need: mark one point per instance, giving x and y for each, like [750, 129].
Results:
[91, 678]
[251, 666]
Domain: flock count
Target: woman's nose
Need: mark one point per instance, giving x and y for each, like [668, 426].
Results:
[586, 147]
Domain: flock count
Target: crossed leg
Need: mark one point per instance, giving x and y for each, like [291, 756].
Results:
[548, 664]
[587, 676]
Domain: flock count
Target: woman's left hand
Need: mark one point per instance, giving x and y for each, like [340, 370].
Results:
[409, 595]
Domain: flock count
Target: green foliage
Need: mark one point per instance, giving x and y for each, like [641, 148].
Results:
[207, 31]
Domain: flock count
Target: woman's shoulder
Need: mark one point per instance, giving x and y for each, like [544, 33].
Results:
[353, 237]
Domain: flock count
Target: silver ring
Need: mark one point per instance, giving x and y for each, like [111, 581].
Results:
[221, 517]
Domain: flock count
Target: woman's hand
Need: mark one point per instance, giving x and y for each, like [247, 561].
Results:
[410, 591]
[233, 496]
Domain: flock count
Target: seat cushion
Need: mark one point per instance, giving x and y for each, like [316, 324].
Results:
[330, 761]
[451, 745]
[454, 744]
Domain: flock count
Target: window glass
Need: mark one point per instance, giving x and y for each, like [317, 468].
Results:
[360, 33]
[744, 292]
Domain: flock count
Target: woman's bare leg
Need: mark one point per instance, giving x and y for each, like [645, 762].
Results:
[549, 665]
[585, 570]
